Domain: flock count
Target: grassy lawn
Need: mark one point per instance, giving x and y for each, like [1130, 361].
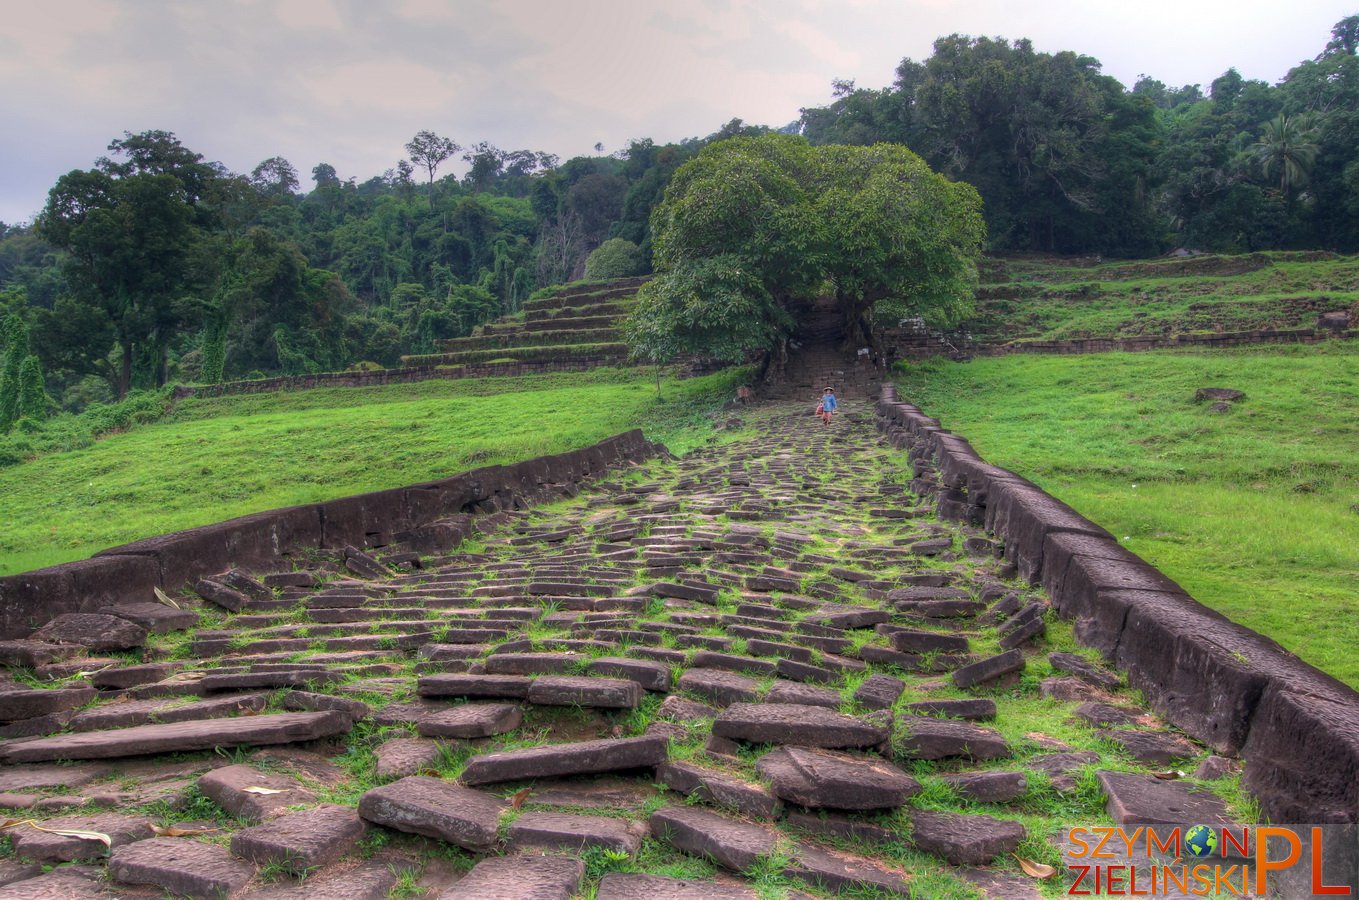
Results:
[1254, 511]
[211, 460]
[1054, 299]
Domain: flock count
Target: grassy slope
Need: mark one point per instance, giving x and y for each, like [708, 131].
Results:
[1059, 300]
[1255, 512]
[216, 459]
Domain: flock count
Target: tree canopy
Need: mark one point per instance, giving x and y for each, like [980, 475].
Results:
[1069, 161]
[754, 225]
[156, 263]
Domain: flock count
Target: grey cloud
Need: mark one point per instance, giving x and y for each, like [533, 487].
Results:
[349, 81]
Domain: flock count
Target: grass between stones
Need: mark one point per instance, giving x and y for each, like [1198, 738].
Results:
[1254, 510]
[214, 459]
[1027, 721]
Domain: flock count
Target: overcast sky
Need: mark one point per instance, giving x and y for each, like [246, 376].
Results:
[348, 82]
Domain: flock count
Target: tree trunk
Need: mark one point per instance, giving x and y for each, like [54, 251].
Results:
[856, 328]
[125, 371]
[774, 368]
[162, 364]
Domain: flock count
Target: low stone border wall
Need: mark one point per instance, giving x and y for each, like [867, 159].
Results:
[434, 514]
[403, 375]
[914, 345]
[1233, 689]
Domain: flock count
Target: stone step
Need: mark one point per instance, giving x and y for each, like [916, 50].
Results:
[236, 789]
[180, 737]
[583, 758]
[521, 878]
[301, 842]
[788, 723]
[181, 867]
[436, 808]
[553, 831]
[822, 779]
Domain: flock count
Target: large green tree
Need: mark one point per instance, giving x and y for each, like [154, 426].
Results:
[129, 229]
[430, 150]
[751, 227]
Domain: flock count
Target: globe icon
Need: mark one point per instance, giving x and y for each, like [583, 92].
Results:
[1200, 841]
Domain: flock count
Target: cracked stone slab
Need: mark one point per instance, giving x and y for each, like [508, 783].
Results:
[720, 789]
[235, 789]
[838, 872]
[18, 703]
[282, 728]
[400, 757]
[787, 723]
[515, 687]
[181, 866]
[471, 720]
[587, 691]
[436, 808]
[1144, 800]
[93, 631]
[718, 686]
[620, 886]
[64, 883]
[965, 840]
[519, 878]
[301, 841]
[583, 758]
[927, 738]
[731, 844]
[574, 832]
[825, 779]
[43, 846]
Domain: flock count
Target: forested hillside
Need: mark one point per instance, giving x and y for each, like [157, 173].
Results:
[1067, 160]
[159, 265]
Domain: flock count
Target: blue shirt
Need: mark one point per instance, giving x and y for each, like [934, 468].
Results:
[828, 403]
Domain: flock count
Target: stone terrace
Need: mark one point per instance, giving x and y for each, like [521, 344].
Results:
[763, 666]
[575, 324]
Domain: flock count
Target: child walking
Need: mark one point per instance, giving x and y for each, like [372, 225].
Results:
[827, 406]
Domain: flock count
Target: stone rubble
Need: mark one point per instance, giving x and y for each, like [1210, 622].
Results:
[761, 654]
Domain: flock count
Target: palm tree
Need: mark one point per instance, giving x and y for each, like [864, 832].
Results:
[1288, 145]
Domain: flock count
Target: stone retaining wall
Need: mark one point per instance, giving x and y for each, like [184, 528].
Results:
[922, 345]
[403, 375]
[1233, 689]
[432, 515]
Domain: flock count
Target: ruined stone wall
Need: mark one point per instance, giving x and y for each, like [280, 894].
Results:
[923, 345]
[1231, 688]
[432, 514]
[395, 376]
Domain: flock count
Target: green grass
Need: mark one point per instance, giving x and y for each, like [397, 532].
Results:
[1254, 511]
[214, 459]
[1060, 299]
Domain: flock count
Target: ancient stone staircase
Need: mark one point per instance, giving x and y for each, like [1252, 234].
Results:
[576, 326]
[763, 666]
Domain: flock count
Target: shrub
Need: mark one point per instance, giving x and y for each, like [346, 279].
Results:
[615, 258]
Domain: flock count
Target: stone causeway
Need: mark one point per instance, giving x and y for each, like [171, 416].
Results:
[767, 668]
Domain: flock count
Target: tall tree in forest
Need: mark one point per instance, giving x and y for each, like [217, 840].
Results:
[129, 228]
[275, 177]
[32, 395]
[14, 350]
[431, 151]
[1287, 146]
